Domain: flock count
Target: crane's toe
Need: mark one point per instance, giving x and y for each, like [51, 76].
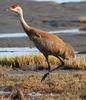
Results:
[43, 78]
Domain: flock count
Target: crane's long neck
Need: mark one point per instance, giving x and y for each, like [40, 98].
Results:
[24, 24]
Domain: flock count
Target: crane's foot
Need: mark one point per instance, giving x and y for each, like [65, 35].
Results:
[43, 78]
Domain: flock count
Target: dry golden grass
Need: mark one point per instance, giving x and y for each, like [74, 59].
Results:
[82, 19]
[32, 61]
[64, 85]
[78, 64]
[37, 61]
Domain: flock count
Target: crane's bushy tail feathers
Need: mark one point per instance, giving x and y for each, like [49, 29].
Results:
[69, 53]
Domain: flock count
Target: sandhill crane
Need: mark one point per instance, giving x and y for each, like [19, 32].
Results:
[48, 44]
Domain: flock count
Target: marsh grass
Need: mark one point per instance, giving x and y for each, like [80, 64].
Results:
[78, 64]
[63, 85]
[82, 19]
[32, 61]
[38, 61]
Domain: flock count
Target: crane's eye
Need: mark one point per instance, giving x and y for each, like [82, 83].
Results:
[14, 6]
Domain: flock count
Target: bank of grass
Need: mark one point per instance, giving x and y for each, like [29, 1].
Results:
[65, 86]
[38, 61]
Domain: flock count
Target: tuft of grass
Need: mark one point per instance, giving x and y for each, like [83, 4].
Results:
[82, 19]
[78, 64]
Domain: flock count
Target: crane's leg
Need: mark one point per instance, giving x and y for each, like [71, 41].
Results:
[43, 78]
[59, 65]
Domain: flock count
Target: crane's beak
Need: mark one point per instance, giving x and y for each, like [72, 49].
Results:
[8, 9]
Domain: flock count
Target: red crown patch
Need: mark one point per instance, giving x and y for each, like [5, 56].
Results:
[14, 6]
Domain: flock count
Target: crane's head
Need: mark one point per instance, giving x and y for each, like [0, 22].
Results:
[16, 8]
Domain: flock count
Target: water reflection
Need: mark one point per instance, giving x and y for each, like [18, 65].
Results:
[13, 35]
[17, 35]
[14, 51]
[18, 49]
[61, 1]
[36, 94]
[75, 31]
[3, 92]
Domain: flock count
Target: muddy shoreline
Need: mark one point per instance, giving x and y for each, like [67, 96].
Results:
[47, 16]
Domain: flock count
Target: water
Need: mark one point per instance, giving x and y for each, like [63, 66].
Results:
[32, 94]
[3, 92]
[61, 1]
[36, 94]
[18, 49]
[15, 51]
[17, 35]
[13, 35]
[73, 31]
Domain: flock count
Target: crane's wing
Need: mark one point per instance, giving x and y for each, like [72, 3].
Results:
[48, 47]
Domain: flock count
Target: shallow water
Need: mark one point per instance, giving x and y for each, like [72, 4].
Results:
[12, 35]
[16, 51]
[32, 94]
[36, 94]
[3, 92]
[70, 31]
[61, 1]
[17, 35]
